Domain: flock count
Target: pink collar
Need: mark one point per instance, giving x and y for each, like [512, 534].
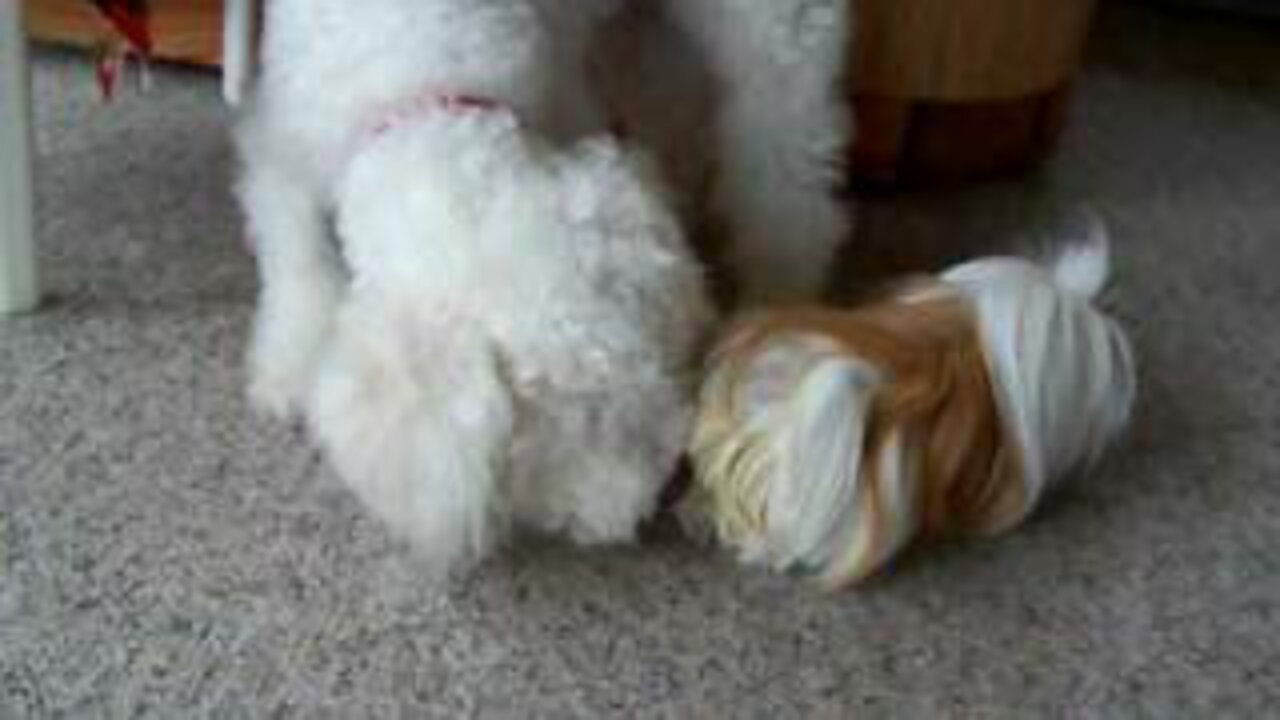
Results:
[430, 102]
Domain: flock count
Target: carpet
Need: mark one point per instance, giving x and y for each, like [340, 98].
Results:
[165, 554]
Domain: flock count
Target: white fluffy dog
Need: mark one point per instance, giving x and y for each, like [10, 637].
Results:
[506, 330]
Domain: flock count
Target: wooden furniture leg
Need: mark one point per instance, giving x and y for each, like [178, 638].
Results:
[949, 90]
[18, 286]
[239, 48]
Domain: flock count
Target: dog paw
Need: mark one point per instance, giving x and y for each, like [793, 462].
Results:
[588, 534]
[613, 517]
[279, 382]
[276, 398]
[284, 355]
[695, 521]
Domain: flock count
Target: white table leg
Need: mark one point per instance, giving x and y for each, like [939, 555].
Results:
[18, 287]
[239, 42]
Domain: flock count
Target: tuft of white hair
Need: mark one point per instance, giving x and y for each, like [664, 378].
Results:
[1084, 267]
[1063, 371]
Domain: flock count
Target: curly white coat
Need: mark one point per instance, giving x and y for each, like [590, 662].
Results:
[506, 330]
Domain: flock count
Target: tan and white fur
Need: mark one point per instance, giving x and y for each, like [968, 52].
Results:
[828, 440]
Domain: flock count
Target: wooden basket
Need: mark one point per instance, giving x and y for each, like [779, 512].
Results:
[953, 89]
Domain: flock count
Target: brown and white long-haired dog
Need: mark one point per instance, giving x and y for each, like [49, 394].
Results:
[830, 439]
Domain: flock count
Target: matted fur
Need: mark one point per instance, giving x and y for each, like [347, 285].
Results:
[828, 439]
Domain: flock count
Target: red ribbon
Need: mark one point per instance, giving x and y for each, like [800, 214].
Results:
[131, 19]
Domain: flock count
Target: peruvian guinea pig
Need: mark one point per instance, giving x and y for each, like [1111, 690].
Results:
[829, 439]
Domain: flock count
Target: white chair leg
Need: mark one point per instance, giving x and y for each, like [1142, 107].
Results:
[18, 287]
[239, 43]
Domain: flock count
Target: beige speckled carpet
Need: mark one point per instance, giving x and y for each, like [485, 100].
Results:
[163, 554]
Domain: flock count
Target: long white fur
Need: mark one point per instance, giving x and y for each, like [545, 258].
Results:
[829, 407]
[1064, 379]
[1064, 374]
